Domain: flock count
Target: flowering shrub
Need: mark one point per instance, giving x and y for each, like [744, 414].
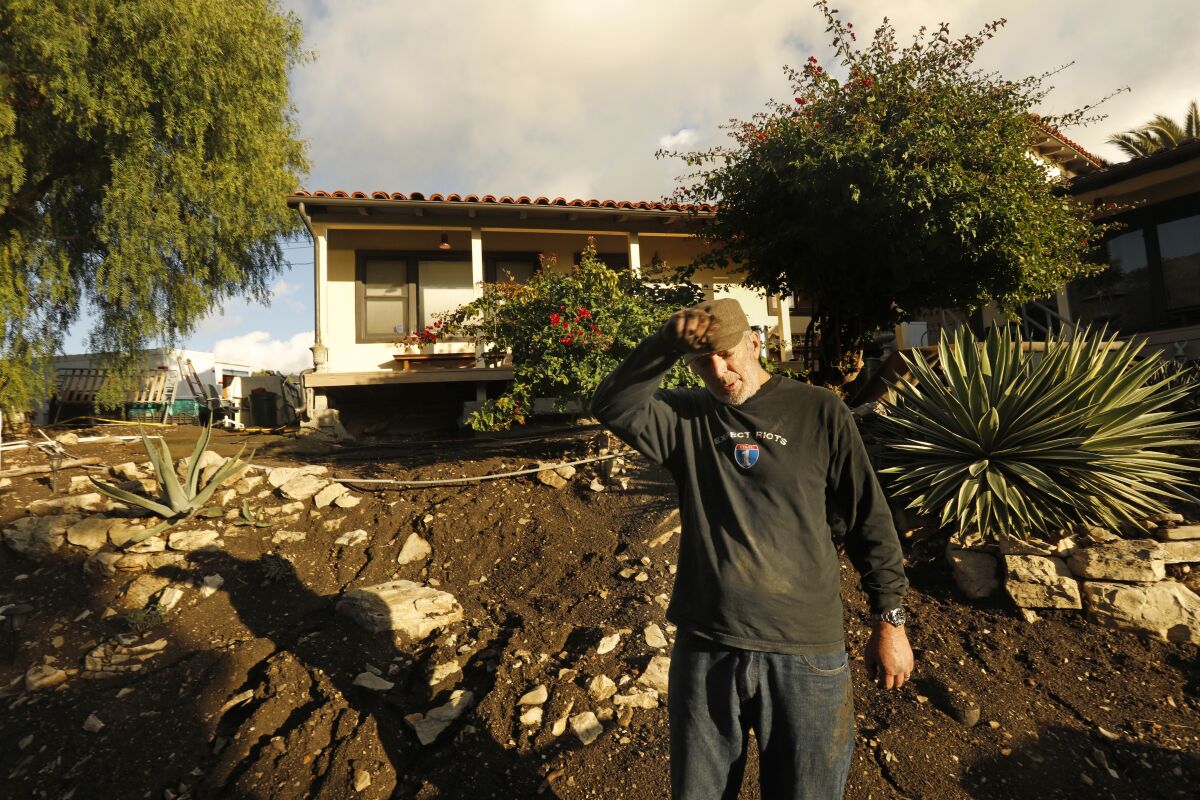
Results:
[566, 331]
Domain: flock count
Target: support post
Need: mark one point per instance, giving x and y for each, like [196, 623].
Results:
[635, 254]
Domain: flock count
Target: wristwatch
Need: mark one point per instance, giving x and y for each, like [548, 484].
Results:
[893, 616]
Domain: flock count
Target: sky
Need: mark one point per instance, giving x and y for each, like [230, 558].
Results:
[573, 97]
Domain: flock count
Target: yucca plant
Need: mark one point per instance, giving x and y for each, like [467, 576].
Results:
[178, 501]
[1011, 443]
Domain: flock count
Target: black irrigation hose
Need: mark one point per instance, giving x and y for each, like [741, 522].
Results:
[477, 479]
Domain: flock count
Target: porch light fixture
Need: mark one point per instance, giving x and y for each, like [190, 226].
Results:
[445, 243]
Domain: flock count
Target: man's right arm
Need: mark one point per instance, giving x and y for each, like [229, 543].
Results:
[626, 401]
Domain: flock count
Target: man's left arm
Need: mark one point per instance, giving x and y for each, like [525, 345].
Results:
[873, 548]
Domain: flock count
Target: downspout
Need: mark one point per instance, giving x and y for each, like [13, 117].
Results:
[307, 220]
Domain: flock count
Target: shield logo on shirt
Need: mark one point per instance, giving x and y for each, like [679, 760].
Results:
[746, 455]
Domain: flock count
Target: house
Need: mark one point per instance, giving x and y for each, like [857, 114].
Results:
[383, 260]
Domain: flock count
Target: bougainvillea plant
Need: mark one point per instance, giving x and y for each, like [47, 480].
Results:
[566, 330]
[893, 179]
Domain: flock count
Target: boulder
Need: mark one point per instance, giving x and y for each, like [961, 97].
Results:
[281, 475]
[38, 537]
[102, 564]
[975, 572]
[1182, 533]
[330, 493]
[404, 606]
[192, 540]
[350, 538]
[585, 726]
[90, 533]
[93, 501]
[128, 471]
[120, 532]
[552, 479]
[535, 696]
[138, 593]
[347, 501]
[1040, 582]
[136, 562]
[1167, 610]
[1181, 552]
[601, 688]
[1137, 560]
[656, 674]
[44, 676]
[302, 487]
[415, 549]
[429, 726]
[654, 636]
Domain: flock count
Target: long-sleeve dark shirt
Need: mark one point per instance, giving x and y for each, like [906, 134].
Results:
[757, 567]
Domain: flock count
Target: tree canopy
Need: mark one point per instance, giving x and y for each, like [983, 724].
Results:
[147, 148]
[1160, 133]
[904, 182]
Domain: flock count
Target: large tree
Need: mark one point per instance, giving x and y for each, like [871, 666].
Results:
[147, 148]
[1160, 133]
[902, 182]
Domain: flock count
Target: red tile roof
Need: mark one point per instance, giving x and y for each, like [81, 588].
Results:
[523, 200]
[1057, 134]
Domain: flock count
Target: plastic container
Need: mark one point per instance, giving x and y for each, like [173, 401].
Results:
[263, 407]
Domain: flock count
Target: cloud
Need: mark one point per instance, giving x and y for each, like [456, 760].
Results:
[572, 99]
[282, 288]
[259, 349]
[680, 138]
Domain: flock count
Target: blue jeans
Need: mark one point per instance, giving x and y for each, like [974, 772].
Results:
[800, 707]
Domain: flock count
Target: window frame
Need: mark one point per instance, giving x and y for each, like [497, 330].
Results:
[412, 260]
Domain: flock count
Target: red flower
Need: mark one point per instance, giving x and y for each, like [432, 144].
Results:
[595, 329]
[584, 313]
[554, 318]
[801, 100]
[565, 340]
[867, 82]
[820, 70]
[812, 59]
[437, 324]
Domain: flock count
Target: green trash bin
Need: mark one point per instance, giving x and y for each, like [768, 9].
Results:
[263, 407]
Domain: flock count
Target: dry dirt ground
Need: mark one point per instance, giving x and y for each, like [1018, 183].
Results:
[253, 695]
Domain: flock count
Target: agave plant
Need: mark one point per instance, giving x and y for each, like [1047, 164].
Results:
[1008, 442]
[178, 501]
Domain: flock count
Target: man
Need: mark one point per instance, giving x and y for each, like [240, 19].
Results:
[759, 462]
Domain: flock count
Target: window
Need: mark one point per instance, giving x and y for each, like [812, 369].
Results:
[517, 267]
[1179, 248]
[610, 260]
[408, 290]
[1122, 295]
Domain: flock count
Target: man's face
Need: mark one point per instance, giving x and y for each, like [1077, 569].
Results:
[731, 376]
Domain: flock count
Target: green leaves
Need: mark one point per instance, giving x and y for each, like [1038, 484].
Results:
[1011, 439]
[179, 501]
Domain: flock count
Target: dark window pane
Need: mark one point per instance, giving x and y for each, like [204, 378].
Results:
[1120, 296]
[516, 271]
[1179, 243]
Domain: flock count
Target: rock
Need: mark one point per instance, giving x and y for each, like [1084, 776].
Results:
[92, 724]
[369, 680]
[404, 606]
[38, 537]
[429, 726]
[637, 698]
[248, 484]
[143, 561]
[92, 501]
[210, 585]
[415, 549]
[585, 726]
[654, 636]
[69, 439]
[5, 483]
[1040, 582]
[1132, 560]
[286, 537]
[608, 644]
[347, 501]
[128, 471]
[101, 565]
[168, 598]
[44, 676]
[350, 538]
[138, 593]
[1167, 610]
[80, 483]
[280, 475]
[121, 532]
[90, 533]
[444, 672]
[362, 779]
[975, 572]
[601, 688]
[1180, 552]
[192, 540]
[152, 545]
[535, 696]
[963, 709]
[552, 479]
[532, 716]
[596, 485]
[559, 726]
[1101, 535]
[330, 493]
[1182, 533]
[566, 472]
[656, 674]
[302, 487]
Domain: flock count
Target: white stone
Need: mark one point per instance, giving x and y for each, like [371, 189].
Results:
[535, 696]
[431, 725]
[1040, 582]
[601, 688]
[585, 726]
[369, 680]
[347, 501]
[210, 585]
[67, 438]
[1138, 560]
[551, 478]
[302, 487]
[90, 533]
[102, 564]
[92, 501]
[248, 484]
[654, 636]
[975, 572]
[1177, 552]
[128, 471]
[349, 538]
[43, 676]
[92, 724]
[169, 597]
[138, 593]
[415, 549]
[608, 644]
[80, 483]
[1182, 533]
[121, 532]
[192, 540]
[152, 545]
[532, 717]
[656, 674]
[38, 537]
[330, 493]
[1166, 609]
[566, 471]
[362, 780]
[444, 672]
[635, 698]
[403, 606]
[596, 485]
[286, 537]
[280, 475]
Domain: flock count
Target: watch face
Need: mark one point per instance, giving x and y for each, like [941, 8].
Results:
[894, 616]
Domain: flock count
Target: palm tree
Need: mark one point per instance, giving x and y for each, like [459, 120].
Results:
[1160, 133]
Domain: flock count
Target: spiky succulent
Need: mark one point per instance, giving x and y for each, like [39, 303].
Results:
[1008, 440]
[178, 501]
